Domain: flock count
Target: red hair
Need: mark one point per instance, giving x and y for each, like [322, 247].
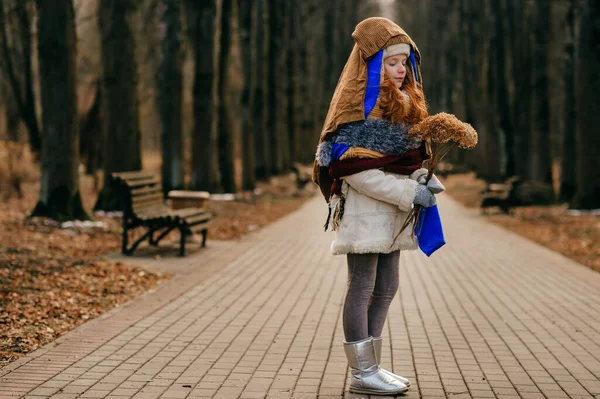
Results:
[393, 104]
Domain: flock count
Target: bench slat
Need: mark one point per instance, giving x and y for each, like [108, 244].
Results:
[154, 197]
[198, 218]
[146, 190]
[142, 182]
[187, 212]
[143, 211]
[133, 175]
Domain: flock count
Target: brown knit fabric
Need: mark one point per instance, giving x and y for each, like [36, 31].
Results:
[373, 34]
[347, 103]
[376, 112]
[360, 152]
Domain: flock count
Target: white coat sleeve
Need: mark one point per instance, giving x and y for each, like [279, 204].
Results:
[376, 184]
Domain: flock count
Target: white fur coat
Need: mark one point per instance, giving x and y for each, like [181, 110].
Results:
[377, 204]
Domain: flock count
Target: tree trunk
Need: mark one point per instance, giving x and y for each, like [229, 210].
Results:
[292, 82]
[520, 11]
[587, 192]
[502, 104]
[225, 123]
[489, 26]
[541, 164]
[470, 14]
[57, 46]
[122, 136]
[170, 88]
[569, 154]
[91, 136]
[435, 69]
[277, 119]
[247, 14]
[318, 61]
[307, 135]
[260, 111]
[11, 114]
[451, 57]
[328, 44]
[203, 24]
[492, 142]
[283, 129]
[22, 93]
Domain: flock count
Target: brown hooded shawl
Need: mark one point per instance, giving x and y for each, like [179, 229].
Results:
[347, 104]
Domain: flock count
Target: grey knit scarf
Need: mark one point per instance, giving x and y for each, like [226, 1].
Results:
[374, 134]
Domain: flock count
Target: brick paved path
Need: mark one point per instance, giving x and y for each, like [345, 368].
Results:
[490, 315]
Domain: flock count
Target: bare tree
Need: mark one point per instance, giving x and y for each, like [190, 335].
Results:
[11, 114]
[490, 28]
[473, 17]
[170, 91]
[272, 139]
[568, 153]
[122, 136]
[277, 83]
[91, 136]
[502, 111]
[303, 112]
[291, 66]
[519, 20]
[587, 192]
[203, 21]
[57, 46]
[247, 12]
[260, 89]
[224, 121]
[541, 165]
[17, 63]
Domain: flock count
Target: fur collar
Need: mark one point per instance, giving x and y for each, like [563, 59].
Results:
[375, 134]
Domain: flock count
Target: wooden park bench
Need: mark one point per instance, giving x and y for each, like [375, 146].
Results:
[143, 206]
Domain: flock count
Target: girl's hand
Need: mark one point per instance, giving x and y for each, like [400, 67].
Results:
[434, 184]
[424, 196]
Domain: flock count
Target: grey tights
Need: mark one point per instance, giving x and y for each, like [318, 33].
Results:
[372, 283]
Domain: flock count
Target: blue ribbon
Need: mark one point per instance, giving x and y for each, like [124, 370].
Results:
[429, 232]
[413, 62]
[373, 81]
[337, 150]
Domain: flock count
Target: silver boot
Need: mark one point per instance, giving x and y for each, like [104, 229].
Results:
[377, 345]
[367, 376]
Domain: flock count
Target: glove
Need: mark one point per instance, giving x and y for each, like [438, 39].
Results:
[419, 175]
[424, 196]
[434, 184]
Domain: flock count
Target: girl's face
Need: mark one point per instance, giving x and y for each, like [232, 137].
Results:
[395, 68]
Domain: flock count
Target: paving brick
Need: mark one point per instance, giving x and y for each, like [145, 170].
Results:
[262, 318]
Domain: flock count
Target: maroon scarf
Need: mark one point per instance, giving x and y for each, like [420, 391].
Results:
[403, 164]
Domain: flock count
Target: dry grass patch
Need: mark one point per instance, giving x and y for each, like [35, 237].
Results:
[50, 278]
[577, 237]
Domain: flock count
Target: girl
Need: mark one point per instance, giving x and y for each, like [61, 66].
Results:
[369, 171]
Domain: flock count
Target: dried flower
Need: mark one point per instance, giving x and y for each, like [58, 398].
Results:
[443, 127]
[443, 131]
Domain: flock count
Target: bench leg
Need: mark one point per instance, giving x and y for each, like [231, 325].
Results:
[204, 232]
[182, 237]
[129, 251]
[163, 234]
[151, 238]
[125, 237]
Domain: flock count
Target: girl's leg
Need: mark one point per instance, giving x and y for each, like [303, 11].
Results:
[367, 377]
[362, 271]
[386, 286]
